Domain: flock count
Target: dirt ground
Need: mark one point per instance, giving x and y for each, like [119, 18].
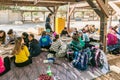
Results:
[113, 60]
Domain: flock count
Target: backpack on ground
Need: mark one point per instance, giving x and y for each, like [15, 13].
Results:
[70, 55]
[97, 58]
[2, 67]
[81, 60]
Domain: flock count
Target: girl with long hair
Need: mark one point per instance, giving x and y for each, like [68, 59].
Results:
[21, 53]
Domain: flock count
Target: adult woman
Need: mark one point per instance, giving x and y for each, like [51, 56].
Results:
[34, 46]
[2, 37]
[48, 22]
[21, 52]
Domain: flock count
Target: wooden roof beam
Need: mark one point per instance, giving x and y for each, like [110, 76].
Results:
[103, 7]
[96, 9]
[32, 4]
[60, 0]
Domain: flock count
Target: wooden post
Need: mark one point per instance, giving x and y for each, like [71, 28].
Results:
[103, 32]
[54, 17]
[110, 23]
[93, 15]
[73, 15]
[44, 15]
[70, 11]
[103, 29]
[103, 20]
[31, 16]
[68, 17]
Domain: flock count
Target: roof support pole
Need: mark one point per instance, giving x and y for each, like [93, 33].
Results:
[70, 11]
[103, 20]
[103, 28]
[55, 9]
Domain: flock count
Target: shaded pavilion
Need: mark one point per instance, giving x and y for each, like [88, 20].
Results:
[99, 6]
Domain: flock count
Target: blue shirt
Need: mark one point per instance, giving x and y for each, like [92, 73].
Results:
[45, 41]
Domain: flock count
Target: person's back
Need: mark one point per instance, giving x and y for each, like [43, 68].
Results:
[45, 41]
[34, 48]
[22, 56]
[75, 43]
[56, 44]
[21, 53]
[112, 39]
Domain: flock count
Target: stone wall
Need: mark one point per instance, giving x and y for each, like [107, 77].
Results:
[8, 16]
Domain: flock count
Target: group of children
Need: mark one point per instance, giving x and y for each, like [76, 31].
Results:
[26, 46]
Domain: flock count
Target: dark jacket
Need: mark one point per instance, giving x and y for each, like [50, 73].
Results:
[34, 48]
[64, 33]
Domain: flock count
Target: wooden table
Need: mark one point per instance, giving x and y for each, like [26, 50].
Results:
[6, 51]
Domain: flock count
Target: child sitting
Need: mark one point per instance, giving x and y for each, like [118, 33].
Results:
[45, 41]
[11, 37]
[75, 43]
[55, 45]
[34, 46]
[21, 53]
[4, 65]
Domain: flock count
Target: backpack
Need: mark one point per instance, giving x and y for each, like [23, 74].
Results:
[2, 67]
[81, 60]
[97, 58]
[70, 55]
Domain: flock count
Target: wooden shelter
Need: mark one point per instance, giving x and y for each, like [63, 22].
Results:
[99, 6]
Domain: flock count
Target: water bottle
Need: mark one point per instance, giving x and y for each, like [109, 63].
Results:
[49, 72]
